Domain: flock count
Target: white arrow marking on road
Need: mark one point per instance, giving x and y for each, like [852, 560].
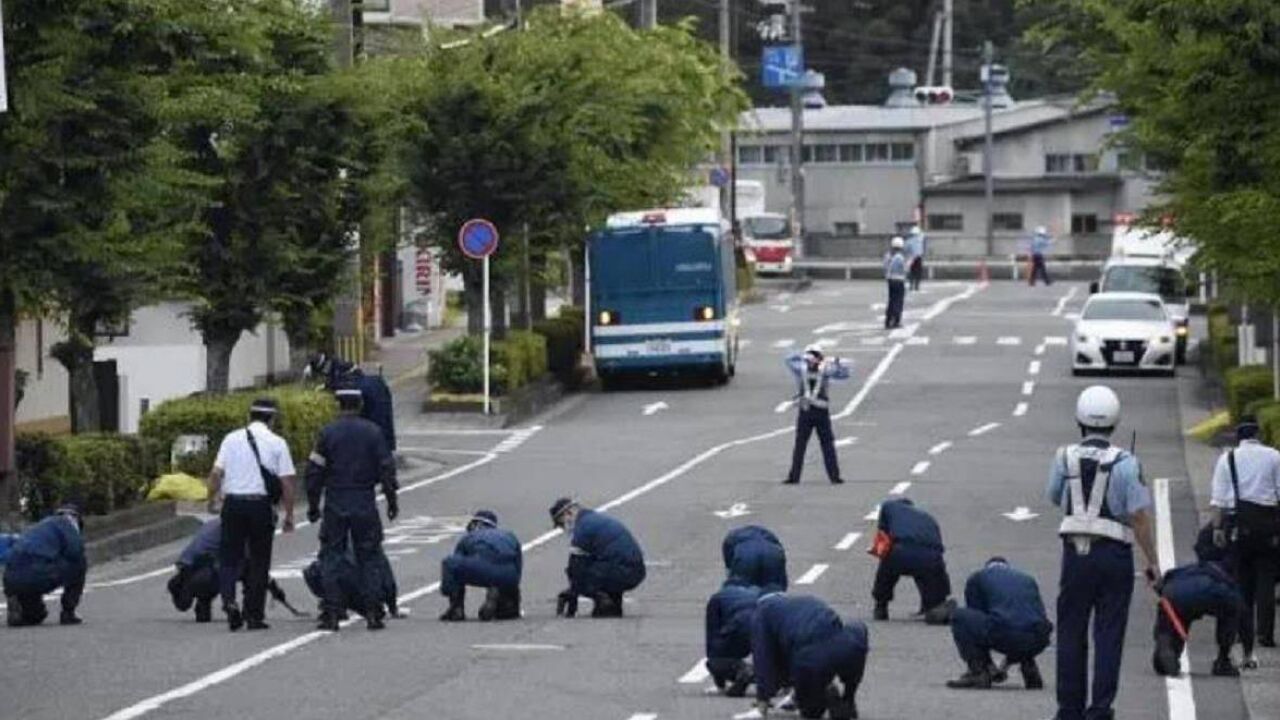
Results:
[784, 344]
[1009, 340]
[1055, 340]
[1020, 409]
[1034, 368]
[696, 674]
[913, 340]
[904, 332]
[940, 447]
[873, 340]
[983, 429]
[1062, 301]
[964, 340]
[784, 406]
[848, 541]
[846, 442]
[735, 510]
[873, 515]
[1021, 514]
[780, 308]
[812, 574]
[920, 467]
[900, 488]
[519, 647]
[1028, 387]
[652, 408]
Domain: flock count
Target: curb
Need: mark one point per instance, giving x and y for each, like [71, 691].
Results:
[134, 530]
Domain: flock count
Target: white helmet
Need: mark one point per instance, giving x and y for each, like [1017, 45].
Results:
[1098, 408]
[897, 242]
[1042, 230]
[813, 351]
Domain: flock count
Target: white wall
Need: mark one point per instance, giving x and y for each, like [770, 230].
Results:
[48, 395]
[157, 373]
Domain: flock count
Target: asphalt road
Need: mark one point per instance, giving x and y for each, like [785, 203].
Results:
[960, 410]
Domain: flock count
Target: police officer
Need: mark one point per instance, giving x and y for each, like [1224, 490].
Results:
[1204, 588]
[1246, 502]
[801, 641]
[247, 459]
[1106, 507]
[48, 556]
[349, 583]
[1040, 242]
[812, 372]
[350, 459]
[489, 557]
[605, 560]
[916, 552]
[895, 273]
[377, 405]
[728, 635]
[196, 581]
[753, 555]
[1003, 612]
[916, 245]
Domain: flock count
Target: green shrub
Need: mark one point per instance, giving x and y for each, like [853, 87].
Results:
[455, 368]
[1269, 421]
[1222, 337]
[302, 414]
[564, 341]
[574, 314]
[1246, 385]
[533, 349]
[103, 473]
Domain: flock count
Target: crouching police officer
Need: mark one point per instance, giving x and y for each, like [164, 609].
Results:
[48, 556]
[728, 635]
[196, 582]
[753, 555]
[916, 551]
[349, 580]
[1107, 507]
[605, 561]
[1003, 612]
[801, 642]
[1204, 588]
[350, 458]
[375, 395]
[488, 557]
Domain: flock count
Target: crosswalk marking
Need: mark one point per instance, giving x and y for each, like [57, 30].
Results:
[873, 340]
[1055, 340]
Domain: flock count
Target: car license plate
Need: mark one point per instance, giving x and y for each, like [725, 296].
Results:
[658, 347]
[1123, 356]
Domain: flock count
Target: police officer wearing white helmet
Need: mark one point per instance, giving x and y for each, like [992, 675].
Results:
[1107, 507]
[895, 273]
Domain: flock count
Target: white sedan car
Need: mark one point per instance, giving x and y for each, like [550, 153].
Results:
[1124, 331]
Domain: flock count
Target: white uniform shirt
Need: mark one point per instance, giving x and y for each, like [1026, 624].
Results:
[241, 475]
[1258, 470]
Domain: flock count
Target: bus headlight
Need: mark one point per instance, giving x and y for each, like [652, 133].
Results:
[705, 312]
[609, 317]
[1182, 330]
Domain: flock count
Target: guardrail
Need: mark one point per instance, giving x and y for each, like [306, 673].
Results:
[1011, 267]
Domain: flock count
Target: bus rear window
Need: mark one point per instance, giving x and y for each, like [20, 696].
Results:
[638, 260]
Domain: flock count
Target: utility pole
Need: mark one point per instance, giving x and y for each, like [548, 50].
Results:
[988, 57]
[726, 145]
[948, 10]
[933, 49]
[348, 315]
[797, 133]
[648, 14]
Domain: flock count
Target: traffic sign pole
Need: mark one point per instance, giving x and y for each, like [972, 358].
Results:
[488, 330]
[478, 239]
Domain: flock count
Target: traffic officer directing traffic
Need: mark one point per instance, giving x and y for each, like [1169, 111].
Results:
[1204, 588]
[48, 556]
[895, 273]
[1107, 506]
[605, 560]
[488, 556]
[753, 555]
[1040, 242]
[1246, 501]
[252, 466]
[915, 550]
[196, 582]
[350, 459]
[812, 373]
[799, 640]
[1003, 613]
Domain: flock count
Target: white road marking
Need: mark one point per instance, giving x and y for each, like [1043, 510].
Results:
[517, 439]
[1028, 387]
[652, 408]
[945, 304]
[877, 307]
[871, 382]
[848, 541]
[1040, 349]
[784, 343]
[903, 333]
[846, 442]
[964, 340]
[873, 340]
[744, 342]
[940, 447]
[1009, 340]
[697, 674]
[780, 308]
[784, 406]
[735, 510]
[1034, 368]
[1020, 409]
[1182, 702]
[644, 716]
[1021, 514]
[752, 714]
[1055, 340]
[920, 467]
[873, 515]
[1062, 301]
[130, 580]
[1072, 316]
[900, 488]
[812, 574]
[520, 647]
[983, 429]
[826, 342]
[913, 340]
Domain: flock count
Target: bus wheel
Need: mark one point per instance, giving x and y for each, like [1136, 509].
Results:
[608, 381]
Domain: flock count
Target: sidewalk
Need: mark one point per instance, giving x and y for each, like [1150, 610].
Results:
[403, 361]
[1197, 400]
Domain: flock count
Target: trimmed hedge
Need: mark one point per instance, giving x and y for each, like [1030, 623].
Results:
[1269, 422]
[103, 473]
[1246, 385]
[1222, 337]
[513, 363]
[302, 414]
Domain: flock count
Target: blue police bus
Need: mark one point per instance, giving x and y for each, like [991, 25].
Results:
[663, 294]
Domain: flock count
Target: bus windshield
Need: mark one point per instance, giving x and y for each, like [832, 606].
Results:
[1163, 281]
[767, 228]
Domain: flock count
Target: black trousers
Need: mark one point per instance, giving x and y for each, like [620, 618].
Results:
[807, 421]
[926, 567]
[1039, 270]
[915, 273]
[893, 310]
[353, 521]
[1255, 561]
[248, 530]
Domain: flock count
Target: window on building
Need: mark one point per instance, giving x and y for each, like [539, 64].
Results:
[776, 154]
[945, 222]
[1084, 224]
[825, 153]
[750, 155]
[1064, 163]
[1057, 163]
[847, 229]
[903, 152]
[1006, 221]
[877, 152]
[850, 153]
[1085, 163]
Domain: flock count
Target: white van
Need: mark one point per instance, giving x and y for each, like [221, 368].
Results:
[1138, 242]
[1155, 275]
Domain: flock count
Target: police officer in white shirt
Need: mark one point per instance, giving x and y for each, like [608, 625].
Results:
[1246, 499]
[252, 473]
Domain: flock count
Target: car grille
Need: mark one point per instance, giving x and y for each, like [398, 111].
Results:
[1110, 347]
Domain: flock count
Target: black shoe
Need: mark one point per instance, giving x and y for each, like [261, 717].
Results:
[1250, 662]
[508, 605]
[837, 481]
[1222, 667]
[791, 481]
[1164, 659]
[455, 613]
[235, 619]
[13, 613]
[68, 617]
[977, 678]
[606, 606]
[839, 708]
[737, 687]
[1031, 675]
[328, 622]
[204, 611]
[393, 610]
[941, 614]
[489, 609]
[881, 612]
[256, 624]
[1266, 642]
[375, 622]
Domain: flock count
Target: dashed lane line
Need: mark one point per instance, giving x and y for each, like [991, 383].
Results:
[920, 467]
[1028, 387]
[644, 716]
[784, 343]
[983, 429]
[1020, 409]
[847, 541]
[697, 674]
[846, 442]
[1009, 340]
[964, 340]
[812, 574]
[940, 448]
[1062, 301]
[873, 515]
[900, 488]
[1034, 368]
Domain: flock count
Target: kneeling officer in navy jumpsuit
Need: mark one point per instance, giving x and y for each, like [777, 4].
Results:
[753, 555]
[1003, 612]
[801, 642]
[197, 582]
[916, 552]
[48, 556]
[604, 561]
[1207, 587]
[728, 635]
[352, 591]
[488, 557]
[1107, 507]
[351, 457]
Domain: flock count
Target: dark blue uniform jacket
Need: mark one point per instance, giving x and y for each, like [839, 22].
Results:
[498, 548]
[754, 556]
[603, 537]
[203, 548]
[355, 460]
[1201, 589]
[45, 555]
[1010, 596]
[729, 615]
[785, 626]
[907, 524]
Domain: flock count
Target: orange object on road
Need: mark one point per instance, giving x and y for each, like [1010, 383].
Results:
[881, 545]
[1172, 615]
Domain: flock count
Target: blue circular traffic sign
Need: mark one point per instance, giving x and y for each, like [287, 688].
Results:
[478, 239]
[719, 177]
